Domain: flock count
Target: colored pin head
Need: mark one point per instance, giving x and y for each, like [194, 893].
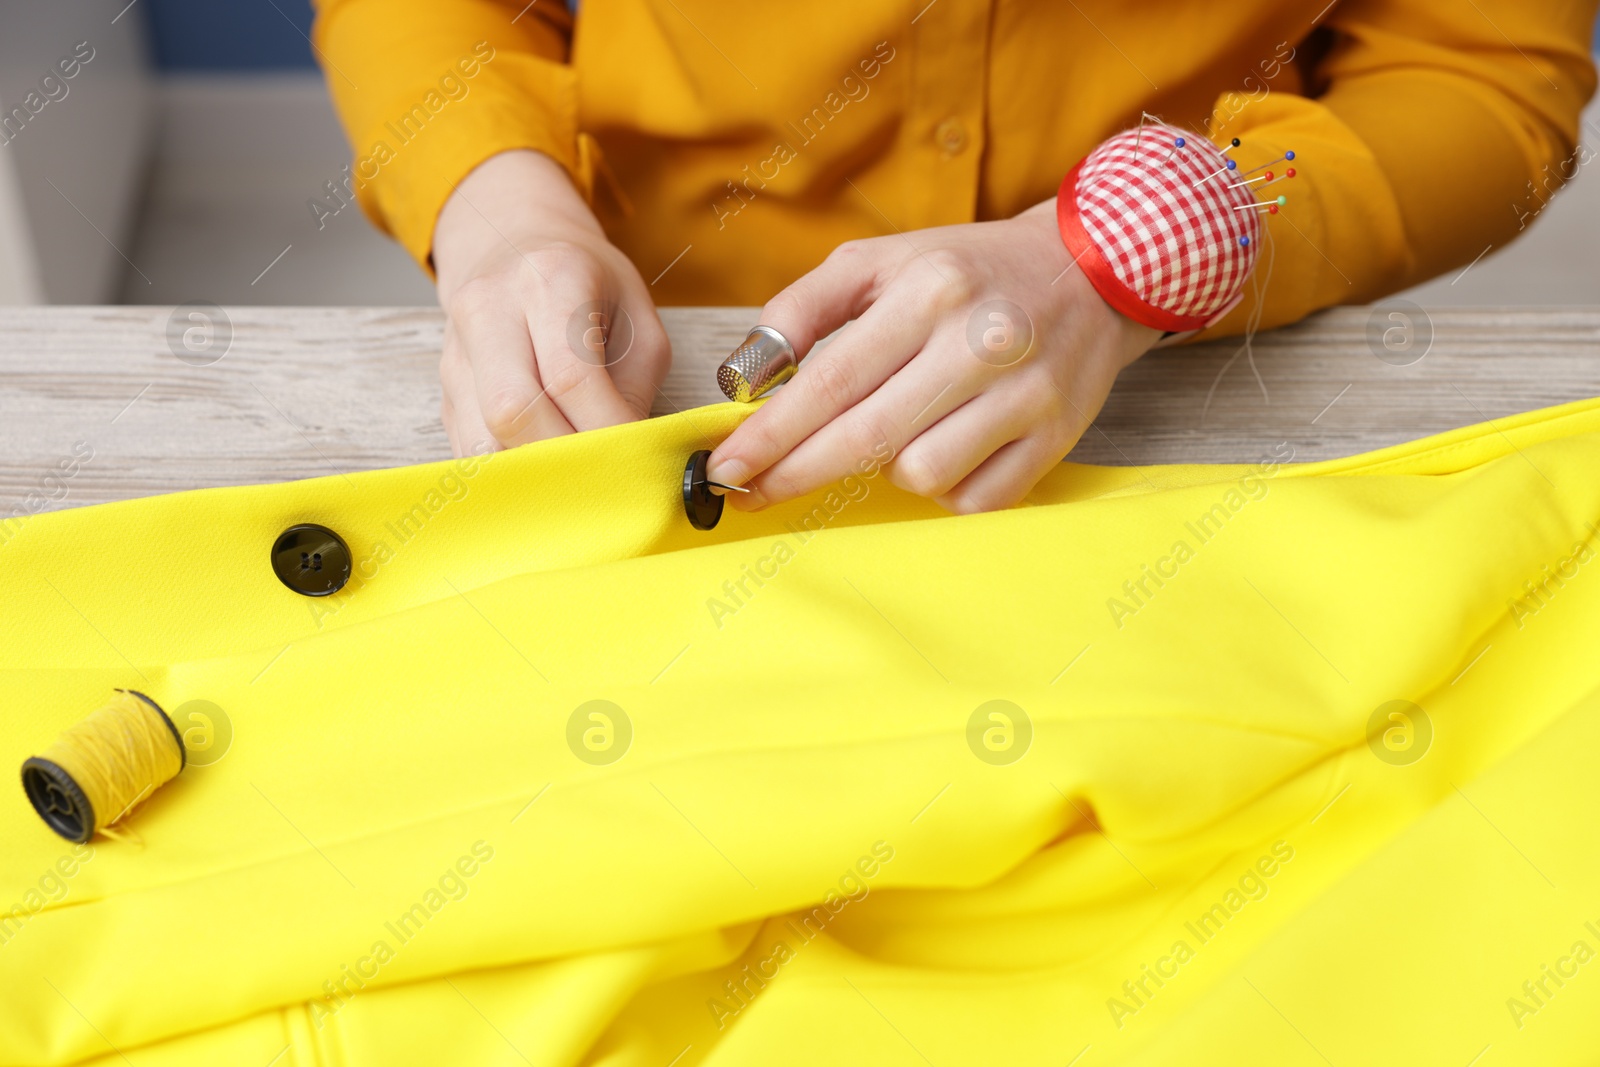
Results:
[1272, 206]
[1179, 143]
[1244, 242]
[1286, 155]
[1230, 165]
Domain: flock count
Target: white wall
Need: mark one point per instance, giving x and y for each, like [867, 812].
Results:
[71, 174]
[238, 158]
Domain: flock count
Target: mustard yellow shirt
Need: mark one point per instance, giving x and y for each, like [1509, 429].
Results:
[728, 147]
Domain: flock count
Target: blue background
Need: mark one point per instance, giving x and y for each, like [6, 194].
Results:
[230, 34]
[248, 34]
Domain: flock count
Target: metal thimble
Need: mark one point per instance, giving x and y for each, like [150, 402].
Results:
[764, 360]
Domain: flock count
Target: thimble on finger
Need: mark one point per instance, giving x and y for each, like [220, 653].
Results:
[765, 359]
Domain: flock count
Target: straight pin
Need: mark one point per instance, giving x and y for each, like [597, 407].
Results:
[1231, 166]
[1287, 156]
[1144, 116]
[1272, 206]
[1286, 176]
[1177, 144]
[1231, 146]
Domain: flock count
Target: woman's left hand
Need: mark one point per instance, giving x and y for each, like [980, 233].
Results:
[977, 357]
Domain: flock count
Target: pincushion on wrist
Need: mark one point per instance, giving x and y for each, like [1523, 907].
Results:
[1161, 226]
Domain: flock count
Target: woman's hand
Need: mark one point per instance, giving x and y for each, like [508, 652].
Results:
[549, 328]
[978, 356]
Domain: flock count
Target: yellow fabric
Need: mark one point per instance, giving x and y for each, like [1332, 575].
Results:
[759, 138]
[810, 757]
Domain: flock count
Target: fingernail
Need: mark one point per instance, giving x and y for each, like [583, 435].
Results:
[751, 501]
[729, 472]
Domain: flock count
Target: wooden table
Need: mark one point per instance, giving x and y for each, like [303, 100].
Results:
[302, 392]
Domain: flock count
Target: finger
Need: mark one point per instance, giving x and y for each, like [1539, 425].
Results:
[447, 417]
[1007, 476]
[638, 377]
[447, 413]
[842, 288]
[864, 355]
[577, 333]
[943, 455]
[825, 298]
[470, 435]
[880, 428]
[494, 337]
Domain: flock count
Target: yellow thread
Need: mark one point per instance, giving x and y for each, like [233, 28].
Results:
[118, 756]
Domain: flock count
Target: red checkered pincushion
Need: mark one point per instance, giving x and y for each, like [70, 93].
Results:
[1156, 230]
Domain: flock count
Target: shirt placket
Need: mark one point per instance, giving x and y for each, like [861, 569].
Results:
[945, 115]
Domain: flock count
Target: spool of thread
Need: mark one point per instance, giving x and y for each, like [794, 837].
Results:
[100, 769]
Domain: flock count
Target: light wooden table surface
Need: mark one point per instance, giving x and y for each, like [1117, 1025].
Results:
[302, 392]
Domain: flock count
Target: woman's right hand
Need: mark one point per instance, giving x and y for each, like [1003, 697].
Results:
[549, 327]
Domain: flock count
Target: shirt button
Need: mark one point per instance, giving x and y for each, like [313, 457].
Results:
[311, 560]
[951, 137]
[703, 507]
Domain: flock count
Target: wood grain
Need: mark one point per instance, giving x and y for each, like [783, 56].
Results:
[309, 391]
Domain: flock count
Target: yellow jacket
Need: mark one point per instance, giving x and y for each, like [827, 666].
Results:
[752, 139]
[1126, 775]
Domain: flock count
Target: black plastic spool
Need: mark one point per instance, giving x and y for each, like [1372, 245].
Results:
[703, 507]
[58, 798]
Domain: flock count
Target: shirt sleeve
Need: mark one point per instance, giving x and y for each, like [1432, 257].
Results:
[429, 89]
[1427, 133]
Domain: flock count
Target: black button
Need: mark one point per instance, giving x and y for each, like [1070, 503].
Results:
[311, 560]
[703, 507]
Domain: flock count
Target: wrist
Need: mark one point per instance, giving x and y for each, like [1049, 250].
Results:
[1131, 338]
[1161, 227]
[1136, 338]
[511, 202]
